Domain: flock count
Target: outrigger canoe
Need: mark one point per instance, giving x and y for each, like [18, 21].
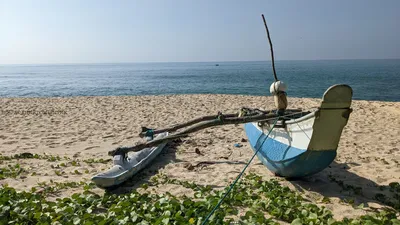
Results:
[303, 145]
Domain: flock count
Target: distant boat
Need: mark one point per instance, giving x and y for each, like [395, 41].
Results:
[216, 64]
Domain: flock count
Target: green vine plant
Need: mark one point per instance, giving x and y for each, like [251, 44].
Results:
[11, 171]
[53, 188]
[16, 170]
[52, 158]
[392, 201]
[253, 201]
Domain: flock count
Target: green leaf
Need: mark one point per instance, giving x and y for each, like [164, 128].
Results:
[313, 216]
[395, 221]
[331, 221]
[167, 213]
[326, 200]
[76, 220]
[297, 222]
[361, 206]
[165, 220]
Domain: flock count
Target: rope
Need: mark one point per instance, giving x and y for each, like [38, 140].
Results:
[240, 175]
[301, 129]
[149, 134]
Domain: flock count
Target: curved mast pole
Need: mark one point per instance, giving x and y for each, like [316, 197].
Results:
[272, 50]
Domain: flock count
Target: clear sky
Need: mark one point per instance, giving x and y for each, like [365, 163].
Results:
[96, 31]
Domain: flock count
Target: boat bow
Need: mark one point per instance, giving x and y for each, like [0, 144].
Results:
[304, 145]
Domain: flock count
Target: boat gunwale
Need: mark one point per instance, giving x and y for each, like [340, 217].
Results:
[303, 118]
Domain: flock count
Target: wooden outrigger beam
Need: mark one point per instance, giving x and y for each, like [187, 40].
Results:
[246, 116]
[182, 125]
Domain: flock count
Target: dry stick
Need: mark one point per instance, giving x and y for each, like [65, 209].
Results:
[200, 126]
[272, 50]
[189, 123]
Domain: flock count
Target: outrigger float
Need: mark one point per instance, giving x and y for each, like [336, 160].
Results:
[291, 143]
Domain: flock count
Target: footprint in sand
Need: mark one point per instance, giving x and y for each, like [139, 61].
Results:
[10, 142]
[83, 138]
[68, 143]
[109, 136]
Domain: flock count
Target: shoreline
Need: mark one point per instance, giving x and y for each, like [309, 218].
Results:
[368, 153]
[170, 95]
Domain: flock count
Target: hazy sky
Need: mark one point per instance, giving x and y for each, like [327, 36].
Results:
[86, 31]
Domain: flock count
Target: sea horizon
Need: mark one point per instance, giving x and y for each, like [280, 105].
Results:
[371, 79]
[156, 62]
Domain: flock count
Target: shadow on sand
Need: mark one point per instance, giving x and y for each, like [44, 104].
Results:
[167, 156]
[337, 181]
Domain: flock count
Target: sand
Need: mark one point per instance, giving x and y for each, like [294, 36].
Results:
[88, 127]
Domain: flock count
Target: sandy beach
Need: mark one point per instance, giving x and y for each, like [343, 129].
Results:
[86, 128]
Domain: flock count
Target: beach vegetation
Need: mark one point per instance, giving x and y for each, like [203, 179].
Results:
[58, 172]
[75, 163]
[11, 171]
[392, 201]
[253, 201]
[53, 158]
[104, 161]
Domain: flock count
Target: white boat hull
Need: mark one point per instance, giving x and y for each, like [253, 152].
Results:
[125, 168]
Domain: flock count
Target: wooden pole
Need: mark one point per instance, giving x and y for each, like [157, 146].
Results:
[189, 123]
[221, 120]
[272, 50]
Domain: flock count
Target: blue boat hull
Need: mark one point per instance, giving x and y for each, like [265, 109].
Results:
[285, 160]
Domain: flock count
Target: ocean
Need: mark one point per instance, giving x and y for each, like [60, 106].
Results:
[370, 79]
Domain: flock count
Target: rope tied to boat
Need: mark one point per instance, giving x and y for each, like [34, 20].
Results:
[241, 173]
[220, 116]
[149, 134]
[243, 112]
